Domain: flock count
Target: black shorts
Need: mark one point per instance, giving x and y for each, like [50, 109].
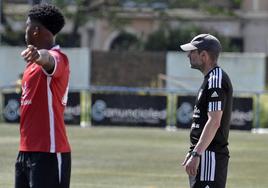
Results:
[42, 170]
[212, 171]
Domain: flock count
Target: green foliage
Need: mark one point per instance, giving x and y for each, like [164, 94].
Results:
[218, 11]
[197, 4]
[227, 44]
[12, 38]
[85, 10]
[126, 41]
[161, 40]
[170, 39]
[60, 3]
[65, 40]
[236, 3]
[156, 41]
[185, 4]
[181, 36]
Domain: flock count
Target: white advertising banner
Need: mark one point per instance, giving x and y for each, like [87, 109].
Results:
[246, 70]
[12, 64]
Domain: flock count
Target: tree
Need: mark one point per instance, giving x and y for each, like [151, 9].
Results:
[79, 12]
[84, 10]
[164, 39]
[126, 41]
[170, 39]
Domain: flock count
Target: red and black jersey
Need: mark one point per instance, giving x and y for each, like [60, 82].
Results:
[215, 94]
[43, 101]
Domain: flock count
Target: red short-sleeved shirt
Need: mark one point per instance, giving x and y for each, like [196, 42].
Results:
[43, 101]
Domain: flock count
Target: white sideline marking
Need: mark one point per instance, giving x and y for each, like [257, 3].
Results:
[260, 131]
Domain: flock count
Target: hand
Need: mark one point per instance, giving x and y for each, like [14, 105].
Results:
[191, 165]
[188, 155]
[30, 54]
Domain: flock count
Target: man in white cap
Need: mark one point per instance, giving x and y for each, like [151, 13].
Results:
[207, 161]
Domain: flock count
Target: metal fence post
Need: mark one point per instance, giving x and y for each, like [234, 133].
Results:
[171, 113]
[257, 113]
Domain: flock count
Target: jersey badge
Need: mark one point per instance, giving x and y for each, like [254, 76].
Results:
[214, 94]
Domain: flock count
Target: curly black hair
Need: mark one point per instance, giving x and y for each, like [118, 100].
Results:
[49, 16]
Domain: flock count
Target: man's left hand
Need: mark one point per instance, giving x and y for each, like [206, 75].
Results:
[191, 166]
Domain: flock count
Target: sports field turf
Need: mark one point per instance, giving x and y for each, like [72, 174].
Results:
[116, 157]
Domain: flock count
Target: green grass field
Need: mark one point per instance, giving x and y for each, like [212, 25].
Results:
[116, 157]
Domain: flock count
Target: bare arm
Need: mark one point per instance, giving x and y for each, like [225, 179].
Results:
[191, 163]
[209, 131]
[40, 57]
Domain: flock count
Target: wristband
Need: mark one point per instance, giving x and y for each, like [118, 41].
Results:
[195, 154]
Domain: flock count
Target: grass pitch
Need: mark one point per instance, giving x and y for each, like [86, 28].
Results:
[119, 157]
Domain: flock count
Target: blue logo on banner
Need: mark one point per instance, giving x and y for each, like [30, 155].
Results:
[98, 110]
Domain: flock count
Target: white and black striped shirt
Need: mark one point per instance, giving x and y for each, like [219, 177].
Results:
[215, 94]
[215, 84]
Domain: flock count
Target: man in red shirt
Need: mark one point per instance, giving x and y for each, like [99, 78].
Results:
[44, 159]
